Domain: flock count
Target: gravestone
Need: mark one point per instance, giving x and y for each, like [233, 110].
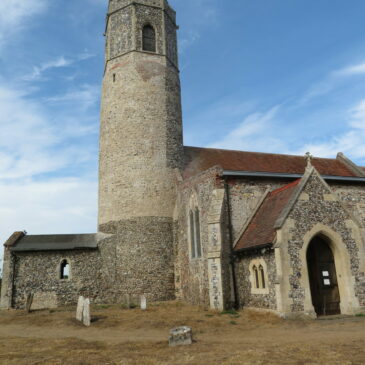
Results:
[80, 308]
[143, 302]
[86, 319]
[181, 336]
[128, 301]
[29, 302]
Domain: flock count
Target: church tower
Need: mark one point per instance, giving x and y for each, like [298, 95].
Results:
[140, 142]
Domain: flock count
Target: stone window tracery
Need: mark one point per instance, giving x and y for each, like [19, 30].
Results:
[258, 277]
[148, 38]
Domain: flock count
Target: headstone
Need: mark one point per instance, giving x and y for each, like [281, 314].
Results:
[80, 308]
[181, 336]
[128, 301]
[29, 302]
[143, 302]
[86, 319]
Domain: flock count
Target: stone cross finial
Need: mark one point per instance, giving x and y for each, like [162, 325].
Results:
[309, 159]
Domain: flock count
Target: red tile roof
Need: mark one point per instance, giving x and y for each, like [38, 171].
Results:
[260, 230]
[198, 160]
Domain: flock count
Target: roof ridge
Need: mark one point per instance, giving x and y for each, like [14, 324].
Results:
[260, 153]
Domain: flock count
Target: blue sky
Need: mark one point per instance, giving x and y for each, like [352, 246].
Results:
[266, 75]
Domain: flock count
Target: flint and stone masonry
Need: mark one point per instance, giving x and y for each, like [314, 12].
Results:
[140, 148]
[149, 185]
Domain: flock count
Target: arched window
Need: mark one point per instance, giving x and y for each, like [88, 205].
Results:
[256, 273]
[197, 233]
[194, 226]
[259, 279]
[148, 39]
[262, 277]
[192, 234]
[64, 270]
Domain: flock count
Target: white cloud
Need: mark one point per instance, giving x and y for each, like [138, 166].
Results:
[85, 96]
[254, 133]
[351, 142]
[358, 69]
[60, 62]
[64, 205]
[358, 116]
[38, 70]
[33, 144]
[15, 14]
[263, 132]
[332, 80]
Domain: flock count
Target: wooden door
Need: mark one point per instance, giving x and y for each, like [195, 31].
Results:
[323, 278]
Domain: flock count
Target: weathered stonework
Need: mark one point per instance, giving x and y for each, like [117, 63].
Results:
[330, 213]
[244, 285]
[39, 273]
[191, 275]
[140, 148]
[244, 195]
[138, 259]
[148, 184]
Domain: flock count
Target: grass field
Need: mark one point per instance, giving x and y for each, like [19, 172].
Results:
[132, 337]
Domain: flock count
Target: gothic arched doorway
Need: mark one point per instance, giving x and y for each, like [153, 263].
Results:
[323, 277]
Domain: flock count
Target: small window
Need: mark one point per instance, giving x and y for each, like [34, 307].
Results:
[197, 233]
[262, 277]
[195, 242]
[258, 277]
[114, 77]
[192, 234]
[256, 273]
[148, 39]
[64, 270]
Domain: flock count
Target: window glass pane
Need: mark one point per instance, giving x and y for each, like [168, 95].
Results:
[192, 234]
[65, 270]
[256, 273]
[326, 282]
[197, 234]
[149, 39]
[262, 273]
[325, 273]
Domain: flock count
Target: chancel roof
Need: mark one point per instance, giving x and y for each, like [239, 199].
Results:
[198, 160]
[24, 243]
[261, 228]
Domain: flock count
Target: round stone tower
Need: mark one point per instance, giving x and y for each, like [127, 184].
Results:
[140, 145]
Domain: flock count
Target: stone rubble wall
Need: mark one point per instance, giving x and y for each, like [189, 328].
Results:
[352, 197]
[244, 196]
[246, 298]
[317, 209]
[191, 275]
[138, 259]
[39, 273]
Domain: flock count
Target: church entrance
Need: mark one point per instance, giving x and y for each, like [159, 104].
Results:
[323, 278]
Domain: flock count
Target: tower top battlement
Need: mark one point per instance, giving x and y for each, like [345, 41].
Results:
[115, 5]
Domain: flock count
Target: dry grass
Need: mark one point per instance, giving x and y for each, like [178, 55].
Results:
[131, 337]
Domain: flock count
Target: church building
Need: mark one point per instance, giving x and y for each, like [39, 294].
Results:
[214, 228]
